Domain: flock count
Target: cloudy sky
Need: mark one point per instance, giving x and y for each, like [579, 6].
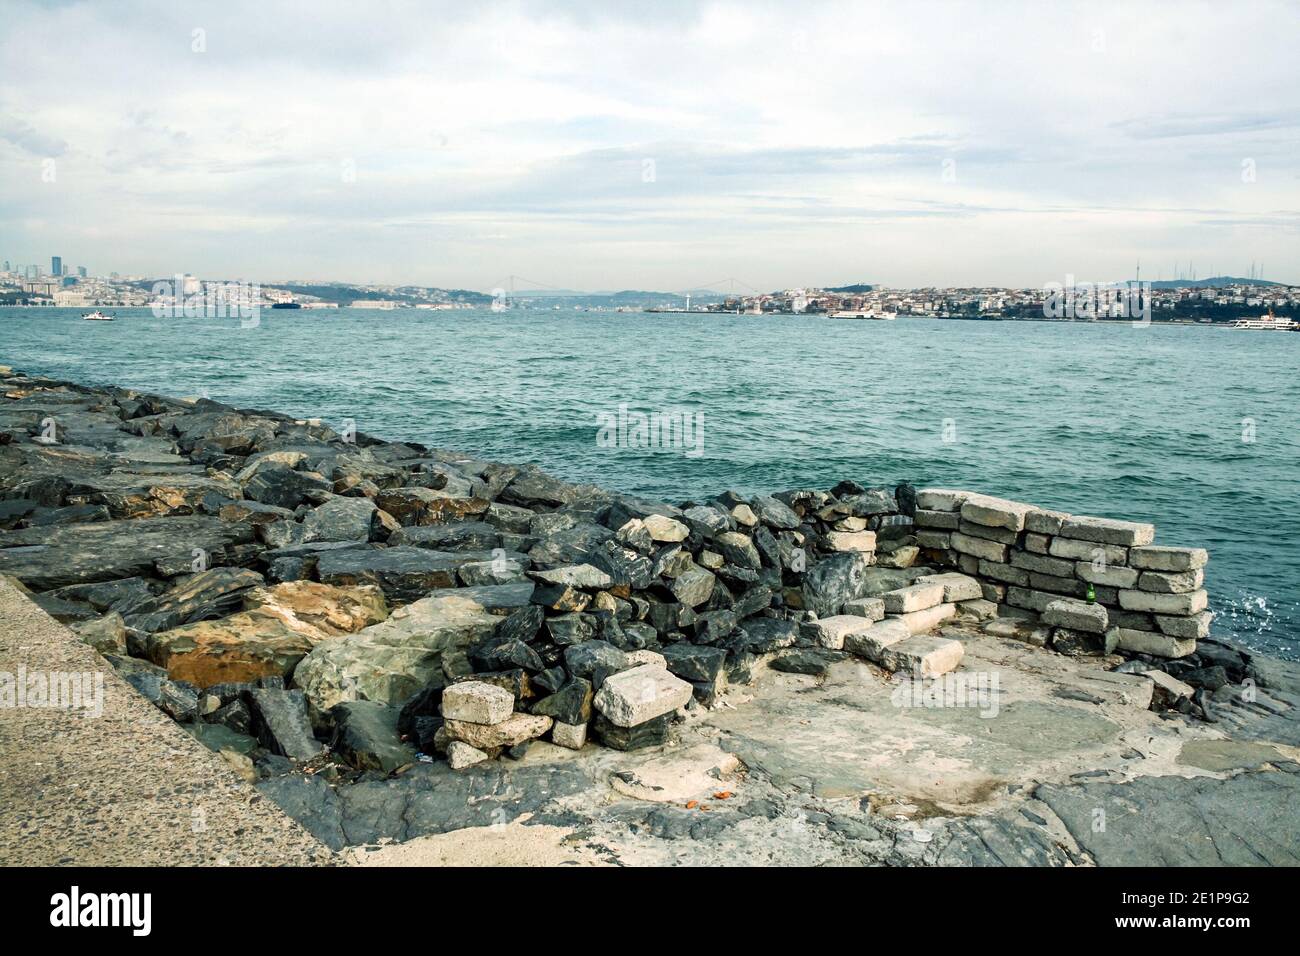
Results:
[605, 145]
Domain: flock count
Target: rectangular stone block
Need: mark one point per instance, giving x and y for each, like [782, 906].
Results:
[1004, 573]
[1057, 567]
[634, 696]
[1154, 557]
[1132, 620]
[1036, 543]
[1179, 605]
[1076, 616]
[1107, 530]
[979, 609]
[1171, 582]
[940, 499]
[1070, 587]
[939, 520]
[934, 540]
[979, 547]
[923, 656]
[967, 563]
[864, 541]
[831, 631]
[918, 622]
[1042, 521]
[1109, 575]
[1029, 599]
[993, 591]
[956, 587]
[872, 642]
[1195, 625]
[992, 533]
[915, 597]
[477, 702]
[1158, 645]
[572, 736]
[1110, 554]
[870, 608]
[995, 512]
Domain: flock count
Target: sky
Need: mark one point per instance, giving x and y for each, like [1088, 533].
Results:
[669, 145]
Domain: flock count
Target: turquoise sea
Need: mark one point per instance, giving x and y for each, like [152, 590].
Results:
[1193, 428]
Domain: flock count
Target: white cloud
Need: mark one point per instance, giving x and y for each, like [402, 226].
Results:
[791, 144]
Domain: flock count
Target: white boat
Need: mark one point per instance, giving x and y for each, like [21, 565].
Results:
[97, 316]
[861, 314]
[1267, 323]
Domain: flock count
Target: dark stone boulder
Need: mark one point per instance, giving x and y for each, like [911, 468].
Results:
[569, 629]
[581, 660]
[282, 486]
[802, 661]
[456, 536]
[62, 555]
[834, 580]
[214, 593]
[652, 733]
[403, 573]
[694, 663]
[571, 704]
[496, 655]
[762, 635]
[774, 513]
[177, 700]
[714, 626]
[281, 723]
[522, 625]
[366, 736]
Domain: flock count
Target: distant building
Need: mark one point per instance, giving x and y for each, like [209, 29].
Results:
[56, 265]
[81, 271]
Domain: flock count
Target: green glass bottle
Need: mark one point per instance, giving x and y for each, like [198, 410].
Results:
[1092, 594]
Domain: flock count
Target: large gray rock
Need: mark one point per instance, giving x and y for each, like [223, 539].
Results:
[456, 536]
[391, 661]
[208, 594]
[403, 573]
[46, 558]
[340, 519]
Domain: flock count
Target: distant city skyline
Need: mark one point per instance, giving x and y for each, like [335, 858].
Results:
[658, 147]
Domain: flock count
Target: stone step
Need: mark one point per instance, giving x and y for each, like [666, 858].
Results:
[914, 597]
[923, 655]
[918, 622]
[956, 587]
[830, 632]
[872, 641]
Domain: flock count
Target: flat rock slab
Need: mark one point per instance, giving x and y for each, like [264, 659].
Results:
[1221, 756]
[1247, 820]
[127, 788]
[51, 557]
[790, 727]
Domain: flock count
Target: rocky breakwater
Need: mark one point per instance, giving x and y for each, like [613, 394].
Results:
[296, 599]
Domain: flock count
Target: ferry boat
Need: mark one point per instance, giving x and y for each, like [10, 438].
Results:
[1267, 323]
[97, 316]
[860, 314]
